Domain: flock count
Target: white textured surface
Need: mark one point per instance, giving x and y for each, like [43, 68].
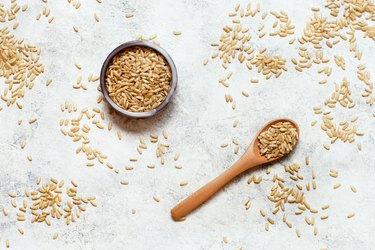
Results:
[198, 121]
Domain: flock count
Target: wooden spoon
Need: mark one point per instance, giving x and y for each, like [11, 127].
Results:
[251, 158]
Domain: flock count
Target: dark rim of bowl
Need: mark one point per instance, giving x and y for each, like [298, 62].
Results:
[167, 99]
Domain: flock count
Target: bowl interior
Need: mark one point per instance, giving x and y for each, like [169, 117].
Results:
[173, 83]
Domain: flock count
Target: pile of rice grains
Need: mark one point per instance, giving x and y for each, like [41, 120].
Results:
[288, 199]
[235, 45]
[48, 202]
[20, 69]
[288, 195]
[278, 140]
[138, 79]
[321, 33]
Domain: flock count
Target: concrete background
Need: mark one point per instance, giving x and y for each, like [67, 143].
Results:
[198, 121]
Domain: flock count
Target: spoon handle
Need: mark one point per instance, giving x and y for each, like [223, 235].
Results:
[208, 190]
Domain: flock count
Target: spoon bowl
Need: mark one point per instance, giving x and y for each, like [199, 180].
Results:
[254, 145]
[250, 159]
